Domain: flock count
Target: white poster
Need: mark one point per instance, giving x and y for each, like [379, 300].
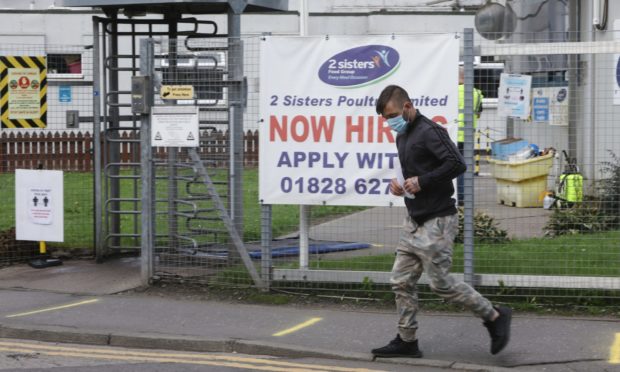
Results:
[39, 205]
[175, 126]
[514, 95]
[321, 141]
[550, 106]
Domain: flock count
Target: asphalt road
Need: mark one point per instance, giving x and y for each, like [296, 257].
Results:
[538, 343]
[19, 355]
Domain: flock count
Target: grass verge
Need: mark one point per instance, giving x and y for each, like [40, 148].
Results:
[79, 210]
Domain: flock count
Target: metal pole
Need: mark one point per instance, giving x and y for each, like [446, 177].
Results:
[304, 210]
[510, 127]
[105, 149]
[303, 17]
[97, 139]
[468, 153]
[304, 236]
[573, 85]
[589, 129]
[235, 72]
[173, 227]
[114, 147]
[146, 163]
[265, 242]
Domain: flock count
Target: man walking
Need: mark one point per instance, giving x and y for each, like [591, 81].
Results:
[430, 161]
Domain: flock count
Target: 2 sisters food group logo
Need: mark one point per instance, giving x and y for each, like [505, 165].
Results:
[360, 66]
[618, 72]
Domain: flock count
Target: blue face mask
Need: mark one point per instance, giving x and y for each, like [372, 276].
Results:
[398, 124]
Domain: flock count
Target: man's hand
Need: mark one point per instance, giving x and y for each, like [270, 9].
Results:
[412, 186]
[395, 188]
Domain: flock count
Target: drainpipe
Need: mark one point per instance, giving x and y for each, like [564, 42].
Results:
[573, 83]
[589, 140]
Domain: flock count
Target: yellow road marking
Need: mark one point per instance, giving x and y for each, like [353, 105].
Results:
[163, 360]
[54, 308]
[305, 324]
[614, 353]
[186, 358]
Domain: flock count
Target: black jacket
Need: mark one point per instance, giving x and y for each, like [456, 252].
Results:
[425, 150]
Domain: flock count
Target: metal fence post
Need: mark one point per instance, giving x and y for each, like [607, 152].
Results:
[304, 236]
[147, 234]
[265, 242]
[113, 146]
[235, 70]
[97, 140]
[468, 153]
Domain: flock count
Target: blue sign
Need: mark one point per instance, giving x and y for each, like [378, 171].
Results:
[360, 66]
[64, 93]
[541, 108]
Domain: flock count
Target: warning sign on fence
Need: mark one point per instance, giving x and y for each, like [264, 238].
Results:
[175, 126]
[23, 89]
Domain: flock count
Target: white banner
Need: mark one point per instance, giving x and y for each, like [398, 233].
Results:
[321, 141]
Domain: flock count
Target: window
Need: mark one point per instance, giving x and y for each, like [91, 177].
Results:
[486, 78]
[64, 65]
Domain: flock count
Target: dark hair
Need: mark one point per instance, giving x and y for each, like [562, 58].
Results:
[391, 93]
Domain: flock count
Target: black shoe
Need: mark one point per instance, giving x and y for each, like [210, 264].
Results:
[499, 329]
[398, 348]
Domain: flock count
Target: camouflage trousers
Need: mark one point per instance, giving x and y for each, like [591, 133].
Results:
[429, 248]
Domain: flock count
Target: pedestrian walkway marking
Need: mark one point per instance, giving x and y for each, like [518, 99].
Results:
[53, 308]
[263, 364]
[305, 324]
[614, 353]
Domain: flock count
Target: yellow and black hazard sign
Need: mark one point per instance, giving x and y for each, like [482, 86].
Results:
[23, 91]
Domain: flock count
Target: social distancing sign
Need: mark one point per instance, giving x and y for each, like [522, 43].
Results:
[39, 205]
[23, 91]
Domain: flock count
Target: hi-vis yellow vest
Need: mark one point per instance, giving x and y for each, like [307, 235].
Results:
[477, 102]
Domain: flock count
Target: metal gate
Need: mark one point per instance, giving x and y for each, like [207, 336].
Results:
[117, 41]
[191, 220]
[169, 201]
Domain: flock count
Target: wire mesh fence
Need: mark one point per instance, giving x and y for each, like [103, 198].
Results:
[545, 191]
[206, 197]
[549, 182]
[49, 129]
[545, 195]
[203, 250]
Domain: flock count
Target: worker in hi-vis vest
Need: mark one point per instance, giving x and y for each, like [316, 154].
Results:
[461, 133]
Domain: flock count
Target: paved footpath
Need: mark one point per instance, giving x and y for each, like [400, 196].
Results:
[451, 341]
